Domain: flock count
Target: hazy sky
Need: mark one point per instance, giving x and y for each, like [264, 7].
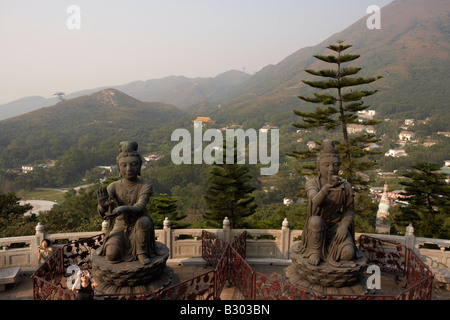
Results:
[123, 41]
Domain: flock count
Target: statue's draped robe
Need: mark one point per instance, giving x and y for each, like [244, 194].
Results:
[338, 206]
[127, 233]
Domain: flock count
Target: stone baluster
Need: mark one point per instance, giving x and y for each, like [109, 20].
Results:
[226, 230]
[39, 237]
[167, 236]
[285, 238]
[410, 239]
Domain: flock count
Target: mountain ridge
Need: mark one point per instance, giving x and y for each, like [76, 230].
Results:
[191, 91]
[411, 51]
[90, 120]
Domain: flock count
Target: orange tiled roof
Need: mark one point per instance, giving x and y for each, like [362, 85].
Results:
[203, 119]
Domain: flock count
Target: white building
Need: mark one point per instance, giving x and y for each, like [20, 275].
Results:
[447, 134]
[406, 135]
[395, 153]
[311, 145]
[267, 128]
[367, 114]
[27, 168]
[357, 128]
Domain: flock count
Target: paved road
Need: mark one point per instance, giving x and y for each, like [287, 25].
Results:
[38, 205]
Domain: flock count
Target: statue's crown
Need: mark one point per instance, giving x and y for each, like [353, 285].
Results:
[128, 147]
[328, 150]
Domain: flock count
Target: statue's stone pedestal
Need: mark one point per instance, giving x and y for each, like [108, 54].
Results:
[326, 279]
[132, 277]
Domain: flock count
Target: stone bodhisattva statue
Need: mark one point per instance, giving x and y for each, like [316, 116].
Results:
[326, 260]
[329, 231]
[132, 236]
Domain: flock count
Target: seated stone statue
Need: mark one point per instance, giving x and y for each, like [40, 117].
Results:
[329, 231]
[124, 203]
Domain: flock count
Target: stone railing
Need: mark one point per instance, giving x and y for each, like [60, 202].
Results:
[263, 246]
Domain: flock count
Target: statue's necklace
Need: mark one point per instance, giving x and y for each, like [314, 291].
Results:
[128, 190]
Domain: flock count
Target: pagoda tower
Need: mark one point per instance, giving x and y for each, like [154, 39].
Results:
[381, 224]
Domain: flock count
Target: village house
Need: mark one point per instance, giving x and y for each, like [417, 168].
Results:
[447, 134]
[429, 143]
[371, 147]
[27, 168]
[357, 128]
[110, 168]
[424, 121]
[409, 122]
[152, 157]
[406, 136]
[267, 128]
[367, 114]
[395, 153]
[311, 145]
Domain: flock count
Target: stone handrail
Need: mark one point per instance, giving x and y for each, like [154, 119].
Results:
[262, 244]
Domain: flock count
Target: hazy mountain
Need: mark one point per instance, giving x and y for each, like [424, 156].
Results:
[23, 106]
[177, 90]
[105, 105]
[411, 51]
[107, 115]
[202, 90]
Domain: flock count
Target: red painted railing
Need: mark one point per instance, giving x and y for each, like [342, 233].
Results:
[47, 279]
[230, 265]
[403, 262]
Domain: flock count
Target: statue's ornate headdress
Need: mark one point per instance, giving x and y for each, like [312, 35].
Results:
[129, 149]
[328, 150]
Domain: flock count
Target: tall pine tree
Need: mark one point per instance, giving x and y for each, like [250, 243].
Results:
[163, 206]
[340, 109]
[429, 202]
[229, 193]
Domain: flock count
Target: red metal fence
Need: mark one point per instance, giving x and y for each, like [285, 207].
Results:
[400, 261]
[230, 265]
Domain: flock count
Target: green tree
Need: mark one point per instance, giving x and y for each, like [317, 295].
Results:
[429, 202]
[340, 109]
[9, 204]
[164, 206]
[229, 193]
[272, 216]
[12, 220]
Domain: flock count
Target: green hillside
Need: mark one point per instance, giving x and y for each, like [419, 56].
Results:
[95, 122]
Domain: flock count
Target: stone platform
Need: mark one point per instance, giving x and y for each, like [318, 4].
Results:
[132, 276]
[327, 279]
